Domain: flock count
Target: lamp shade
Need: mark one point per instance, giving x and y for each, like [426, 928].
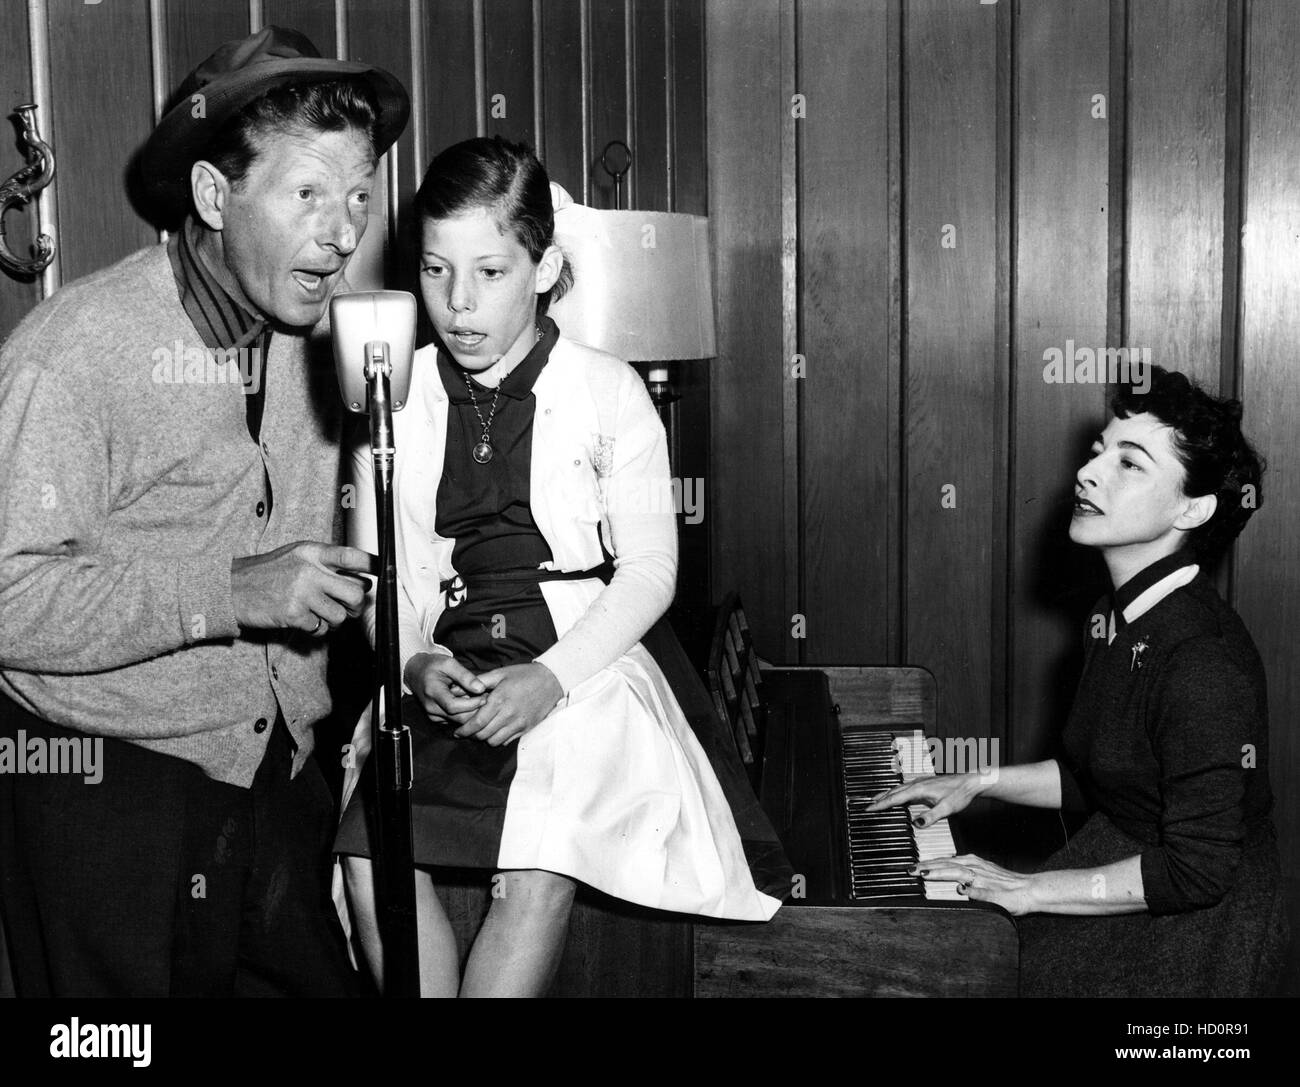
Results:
[642, 283]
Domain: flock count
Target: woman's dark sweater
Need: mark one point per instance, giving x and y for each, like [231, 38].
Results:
[1167, 747]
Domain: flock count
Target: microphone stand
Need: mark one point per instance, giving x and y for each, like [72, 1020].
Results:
[390, 741]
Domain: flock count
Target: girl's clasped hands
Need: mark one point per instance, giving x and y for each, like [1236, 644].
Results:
[496, 707]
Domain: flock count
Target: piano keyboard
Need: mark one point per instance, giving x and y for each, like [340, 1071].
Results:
[884, 844]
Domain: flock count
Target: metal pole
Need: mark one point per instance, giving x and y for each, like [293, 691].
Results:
[391, 740]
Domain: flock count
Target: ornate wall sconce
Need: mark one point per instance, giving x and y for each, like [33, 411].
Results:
[19, 190]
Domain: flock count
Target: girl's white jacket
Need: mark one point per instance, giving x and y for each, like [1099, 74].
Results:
[612, 787]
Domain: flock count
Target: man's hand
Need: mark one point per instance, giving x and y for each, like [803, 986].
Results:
[304, 586]
[445, 689]
[521, 696]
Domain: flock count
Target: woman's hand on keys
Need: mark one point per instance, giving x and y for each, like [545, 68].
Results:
[943, 794]
[983, 881]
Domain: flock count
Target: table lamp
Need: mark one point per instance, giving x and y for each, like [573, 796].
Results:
[642, 290]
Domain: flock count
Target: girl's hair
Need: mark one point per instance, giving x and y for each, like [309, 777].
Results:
[508, 180]
[1215, 455]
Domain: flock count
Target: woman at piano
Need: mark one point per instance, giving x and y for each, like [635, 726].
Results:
[1171, 885]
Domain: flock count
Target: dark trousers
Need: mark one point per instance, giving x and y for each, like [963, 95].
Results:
[159, 881]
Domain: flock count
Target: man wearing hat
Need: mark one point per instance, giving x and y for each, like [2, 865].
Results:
[168, 572]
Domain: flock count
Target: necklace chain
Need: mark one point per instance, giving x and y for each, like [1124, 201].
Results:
[496, 393]
[483, 451]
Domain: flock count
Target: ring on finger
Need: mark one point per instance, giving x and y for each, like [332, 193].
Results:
[320, 625]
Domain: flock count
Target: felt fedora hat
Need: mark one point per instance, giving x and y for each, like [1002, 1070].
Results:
[236, 74]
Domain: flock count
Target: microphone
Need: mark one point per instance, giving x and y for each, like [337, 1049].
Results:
[373, 328]
[374, 341]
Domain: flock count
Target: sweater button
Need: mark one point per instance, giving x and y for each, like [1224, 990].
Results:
[260, 725]
[275, 672]
[266, 449]
[577, 463]
[260, 509]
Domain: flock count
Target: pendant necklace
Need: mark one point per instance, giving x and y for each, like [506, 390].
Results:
[482, 452]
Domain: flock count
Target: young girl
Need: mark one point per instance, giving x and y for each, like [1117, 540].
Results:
[1171, 887]
[536, 545]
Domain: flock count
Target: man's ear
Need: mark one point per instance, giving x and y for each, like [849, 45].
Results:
[1198, 511]
[549, 268]
[209, 187]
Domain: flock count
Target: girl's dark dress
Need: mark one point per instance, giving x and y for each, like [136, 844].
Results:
[1166, 746]
[458, 796]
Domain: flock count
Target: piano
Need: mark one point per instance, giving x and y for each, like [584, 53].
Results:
[819, 744]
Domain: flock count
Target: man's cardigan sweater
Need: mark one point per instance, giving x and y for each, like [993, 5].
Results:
[128, 483]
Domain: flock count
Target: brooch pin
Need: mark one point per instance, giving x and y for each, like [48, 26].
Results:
[1139, 648]
[603, 454]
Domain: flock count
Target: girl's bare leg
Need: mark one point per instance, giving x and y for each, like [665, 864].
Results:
[439, 975]
[518, 948]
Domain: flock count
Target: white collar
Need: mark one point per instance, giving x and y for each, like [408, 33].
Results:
[1145, 601]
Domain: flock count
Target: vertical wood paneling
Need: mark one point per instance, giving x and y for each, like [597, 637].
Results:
[160, 69]
[747, 108]
[315, 18]
[418, 89]
[999, 571]
[893, 605]
[194, 30]
[650, 131]
[17, 296]
[1176, 118]
[953, 366]
[449, 51]
[608, 94]
[1117, 172]
[688, 188]
[1268, 552]
[1060, 275]
[1233, 215]
[508, 50]
[378, 32]
[844, 313]
[679, 108]
[791, 387]
[99, 59]
[564, 148]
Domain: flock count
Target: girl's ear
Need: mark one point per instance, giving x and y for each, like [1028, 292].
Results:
[549, 268]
